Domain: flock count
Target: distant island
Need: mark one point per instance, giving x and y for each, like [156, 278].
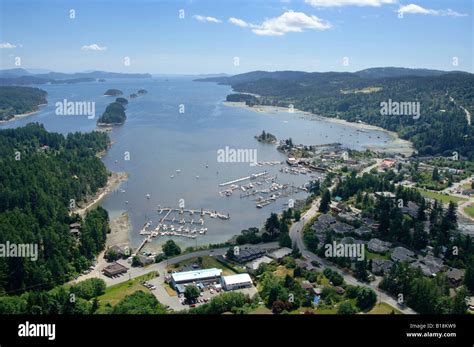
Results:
[266, 138]
[113, 92]
[21, 76]
[142, 92]
[15, 101]
[114, 114]
[122, 101]
[133, 96]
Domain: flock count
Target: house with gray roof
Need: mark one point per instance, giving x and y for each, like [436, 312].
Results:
[455, 276]
[381, 266]
[319, 227]
[402, 254]
[363, 230]
[342, 228]
[378, 246]
[429, 265]
[326, 219]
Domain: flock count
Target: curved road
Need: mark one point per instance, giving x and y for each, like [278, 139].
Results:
[297, 237]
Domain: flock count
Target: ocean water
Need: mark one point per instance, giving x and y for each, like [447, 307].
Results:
[158, 140]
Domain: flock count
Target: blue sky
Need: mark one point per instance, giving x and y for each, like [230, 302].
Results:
[310, 35]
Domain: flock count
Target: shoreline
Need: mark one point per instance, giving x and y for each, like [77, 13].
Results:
[22, 115]
[120, 228]
[113, 181]
[397, 144]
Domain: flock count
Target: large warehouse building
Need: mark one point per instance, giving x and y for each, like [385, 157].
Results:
[197, 276]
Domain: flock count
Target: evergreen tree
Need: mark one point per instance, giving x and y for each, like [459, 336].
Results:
[325, 202]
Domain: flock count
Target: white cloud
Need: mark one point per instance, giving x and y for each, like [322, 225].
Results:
[288, 22]
[207, 19]
[7, 45]
[93, 47]
[238, 22]
[416, 9]
[340, 3]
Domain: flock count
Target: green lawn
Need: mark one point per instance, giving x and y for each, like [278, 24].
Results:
[444, 198]
[369, 255]
[384, 308]
[114, 294]
[470, 211]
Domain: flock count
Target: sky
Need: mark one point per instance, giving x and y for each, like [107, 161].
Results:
[229, 36]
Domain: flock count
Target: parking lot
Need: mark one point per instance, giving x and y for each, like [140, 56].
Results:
[178, 302]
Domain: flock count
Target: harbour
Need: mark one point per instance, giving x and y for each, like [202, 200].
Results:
[161, 142]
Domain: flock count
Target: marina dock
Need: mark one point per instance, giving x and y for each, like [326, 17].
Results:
[253, 176]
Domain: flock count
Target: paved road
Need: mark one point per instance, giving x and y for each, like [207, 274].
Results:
[462, 204]
[134, 272]
[296, 236]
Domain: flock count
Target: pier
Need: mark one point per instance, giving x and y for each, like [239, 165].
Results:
[178, 225]
[253, 176]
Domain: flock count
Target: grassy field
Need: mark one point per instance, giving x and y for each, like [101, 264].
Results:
[369, 255]
[470, 211]
[384, 308]
[444, 198]
[114, 294]
[282, 271]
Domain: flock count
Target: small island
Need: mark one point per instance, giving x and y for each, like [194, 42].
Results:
[101, 80]
[133, 96]
[266, 138]
[113, 92]
[122, 101]
[142, 92]
[114, 115]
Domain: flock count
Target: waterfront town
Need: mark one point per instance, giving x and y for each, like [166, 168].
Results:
[387, 214]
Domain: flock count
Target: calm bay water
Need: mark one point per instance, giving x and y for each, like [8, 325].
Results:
[160, 140]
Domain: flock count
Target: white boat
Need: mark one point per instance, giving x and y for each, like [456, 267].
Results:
[178, 170]
[172, 176]
[148, 196]
[197, 177]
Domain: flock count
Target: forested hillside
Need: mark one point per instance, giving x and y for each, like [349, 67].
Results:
[42, 173]
[441, 128]
[19, 100]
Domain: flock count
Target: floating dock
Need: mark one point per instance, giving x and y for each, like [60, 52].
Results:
[253, 176]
